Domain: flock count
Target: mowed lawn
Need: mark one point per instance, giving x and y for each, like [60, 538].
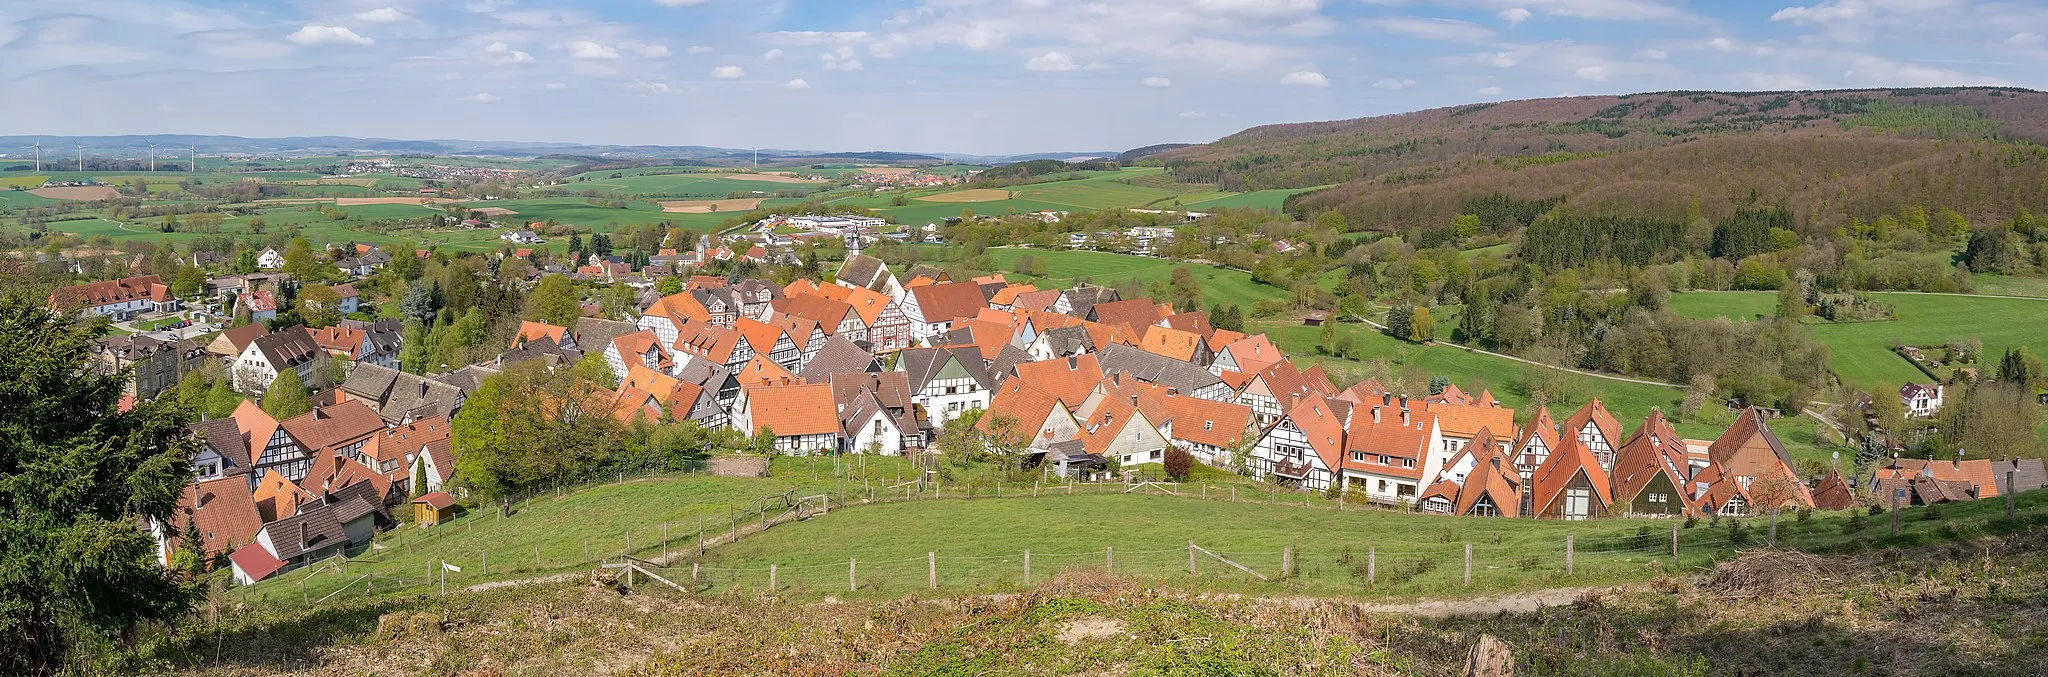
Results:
[1861, 351]
[1062, 268]
[979, 545]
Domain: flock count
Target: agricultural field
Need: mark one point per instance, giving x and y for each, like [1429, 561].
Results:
[1148, 187]
[1259, 199]
[1062, 268]
[1861, 351]
[695, 184]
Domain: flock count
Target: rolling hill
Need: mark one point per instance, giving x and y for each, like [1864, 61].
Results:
[1831, 155]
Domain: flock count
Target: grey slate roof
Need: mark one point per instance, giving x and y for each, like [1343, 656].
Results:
[467, 379]
[839, 356]
[288, 348]
[313, 528]
[541, 348]
[397, 394]
[1154, 369]
[863, 270]
[919, 365]
[226, 439]
[1070, 340]
[591, 331]
[1084, 297]
[2028, 474]
[1007, 360]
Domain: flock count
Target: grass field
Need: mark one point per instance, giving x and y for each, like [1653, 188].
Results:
[707, 185]
[1124, 189]
[1861, 351]
[1260, 199]
[1062, 268]
[2007, 285]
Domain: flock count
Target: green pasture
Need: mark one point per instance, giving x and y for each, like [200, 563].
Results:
[706, 185]
[1259, 199]
[1861, 351]
[1063, 268]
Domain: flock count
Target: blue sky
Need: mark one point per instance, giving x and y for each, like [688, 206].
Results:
[974, 76]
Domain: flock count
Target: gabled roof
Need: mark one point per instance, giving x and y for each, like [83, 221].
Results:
[1222, 338]
[1596, 412]
[1323, 427]
[763, 371]
[1109, 418]
[1185, 346]
[799, 329]
[591, 331]
[331, 426]
[256, 425]
[226, 440]
[1070, 379]
[1204, 421]
[863, 271]
[313, 528]
[681, 306]
[1655, 448]
[530, 330]
[1036, 300]
[1082, 298]
[1465, 420]
[708, 341]
[288, 348]
[827, 313]
[1540, 428]
[1747, 424]
[1136, 316]
[1493, 475]
[241, 336]
[277, 497]
[761, 335]
[396, 444]
[920, 365]
[339, 339]
[948, 301]
[1977, 473]
[222, 509]
[110, 291]
[1150, 368]
[1721, 487]
[256, 563]
[1007, 296]
[839, 355]
[1566, 461]
[1391, 436]
[1030, 407]
[638, 343]
[806, 409]
[1254, 353]
[1192, 321]
[1068, 340]
[866, 303]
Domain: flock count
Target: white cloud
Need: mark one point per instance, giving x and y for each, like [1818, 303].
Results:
[1514, 16]
[501, 53]
[1867, 70]
[650, 87]
[840, 59]
[796, 84]
[481, 97]
[771, 54]
[1393, 84]
[1594, 73]
[382, 15]
[1051, 62]
[2024, 39]
[1721, 45]
[315, 34]
[1827, 12]
[679, 3]
[654, 51]
[587, 50]
[812, 38]
[1305, 79]
[728, 72]
[1451, 30]
[1488, 91]
[1652, 54]
[1158, 82]
[1598, 10]
[699, 49]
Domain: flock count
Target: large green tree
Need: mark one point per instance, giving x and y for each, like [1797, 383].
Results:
[526, 426]
[555, 301]
[319, 306]
[286, 397]
[77, 476]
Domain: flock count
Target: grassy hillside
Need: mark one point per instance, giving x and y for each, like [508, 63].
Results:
[1829, 155]
[1861, 351]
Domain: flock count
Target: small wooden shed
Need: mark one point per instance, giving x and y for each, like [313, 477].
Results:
[433, 508]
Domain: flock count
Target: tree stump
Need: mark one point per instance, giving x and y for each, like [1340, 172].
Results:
[1489, 658]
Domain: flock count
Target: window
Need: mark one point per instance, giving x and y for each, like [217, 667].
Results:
[1155, 454]
[1208, 425]
[1485, 507]
[1407, 463]
[1383, 486]
[1578, 503]
[1657, 498]
[1358, 456]
[1404, 490]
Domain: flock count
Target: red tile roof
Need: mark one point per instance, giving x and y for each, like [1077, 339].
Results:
[1392, 438]
[529, 330]
[334, 426]
[945, 302]
[1028, 406]
[1070, 380]
[1566, 462]
[223, 509]
[793, 409]
[1174, 343]
[106, 292]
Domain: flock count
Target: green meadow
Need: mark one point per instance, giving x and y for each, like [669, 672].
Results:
[1861, 351]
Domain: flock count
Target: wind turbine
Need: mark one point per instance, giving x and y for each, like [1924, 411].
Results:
[195, 158]
[152, 157]
[39, 157]
[81, 157]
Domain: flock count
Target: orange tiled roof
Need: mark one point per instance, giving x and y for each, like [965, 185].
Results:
[1566, 461]
[530, 330]
[1070, 380]
[1169, 342]
[806, 409]
[763, 371]
[1029, 406]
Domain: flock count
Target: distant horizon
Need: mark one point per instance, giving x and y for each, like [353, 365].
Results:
[978, 77]
[24, 138]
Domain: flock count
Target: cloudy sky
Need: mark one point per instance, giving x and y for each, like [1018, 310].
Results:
[974, 76]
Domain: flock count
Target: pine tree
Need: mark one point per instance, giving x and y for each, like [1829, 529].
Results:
[419, 477]
[221, 399]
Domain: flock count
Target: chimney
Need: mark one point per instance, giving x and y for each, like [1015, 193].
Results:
[1172, 391]
[1404, 404]
[1404, 417]
[304, 535]
[1375, 415]
[1134, 400]
[1386, 399]
[1073, 362]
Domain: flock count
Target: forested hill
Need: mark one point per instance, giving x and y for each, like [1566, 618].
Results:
[1830, 156]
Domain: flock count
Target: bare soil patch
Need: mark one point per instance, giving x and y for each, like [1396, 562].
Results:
[969, 195]
[1082, 629]
[77, 193]
[771, 178]
[494, 211]
[419, 201]
[709, 206]
[1771, 573]
[889, 171]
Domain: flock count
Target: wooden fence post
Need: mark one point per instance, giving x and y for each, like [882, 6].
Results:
[1286, 560]
[852, 581]
[536, 560]
[1191, 558]
[693, 573]
[2010, 489]
[629, 542]
[1674, 544]
[771, 578]
[1567, 554]
[1468, 564]
[700, 535]
[664, 543]
[1372, 565]
[1027, 566]
[931, 569]
[487, 563]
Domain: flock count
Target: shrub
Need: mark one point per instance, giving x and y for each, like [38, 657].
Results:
[1805, 514]
[1178, 463]
[1857, 523]
[1692, 521]
[1737, 534]
[1876, 510]
[1932, 513]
